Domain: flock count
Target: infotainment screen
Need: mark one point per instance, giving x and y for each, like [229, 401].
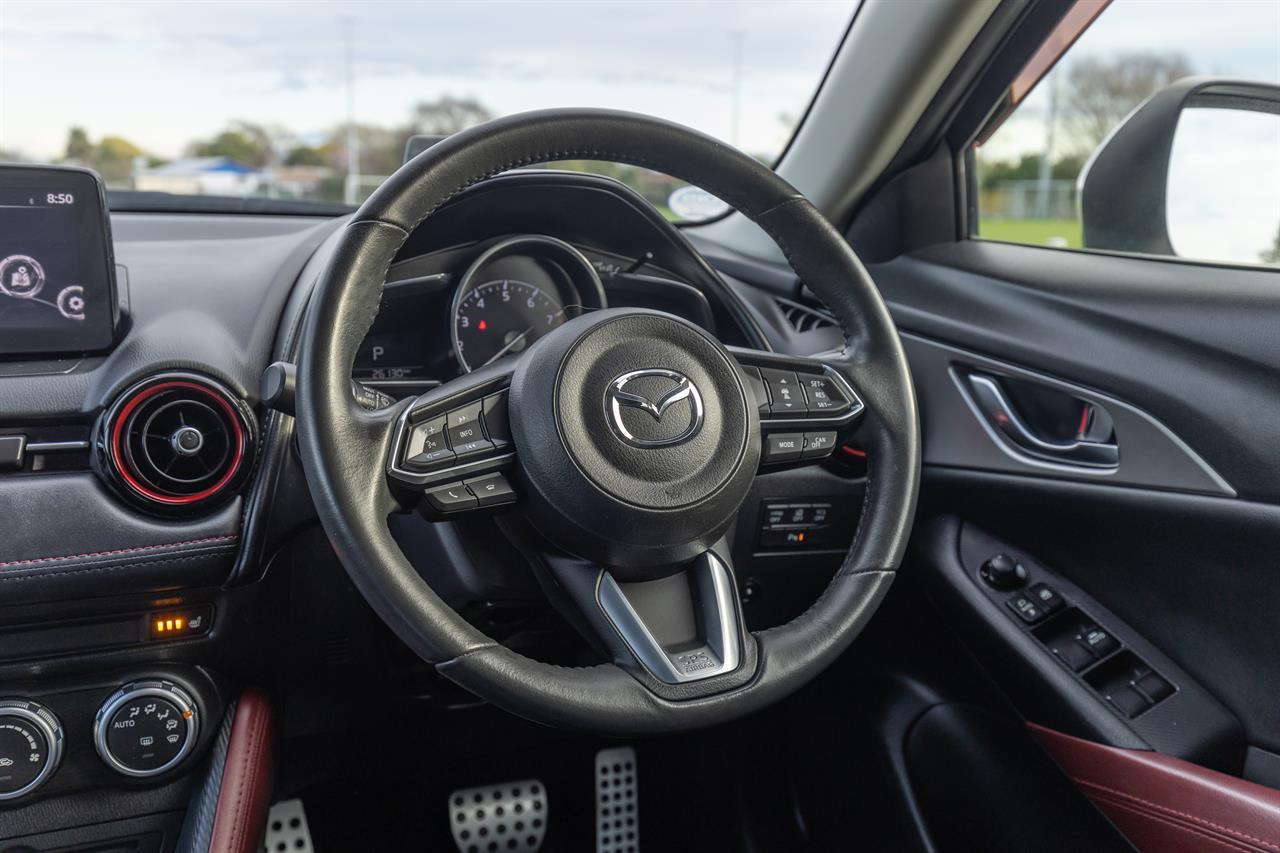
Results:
[57, 275]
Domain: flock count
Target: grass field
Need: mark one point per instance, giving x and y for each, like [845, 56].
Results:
[1036, 232]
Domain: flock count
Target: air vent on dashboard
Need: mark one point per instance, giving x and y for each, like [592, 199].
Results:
[175, 442]
[803, 318]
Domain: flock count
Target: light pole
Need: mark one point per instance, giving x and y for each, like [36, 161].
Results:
[353, 139]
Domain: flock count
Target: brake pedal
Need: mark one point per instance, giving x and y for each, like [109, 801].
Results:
[287, 829]
[617, 801]
[511, 817]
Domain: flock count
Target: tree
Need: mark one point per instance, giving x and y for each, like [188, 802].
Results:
[246, 143]
[1272, 255]
[305, 155]
[1101, 92]
[79, 148]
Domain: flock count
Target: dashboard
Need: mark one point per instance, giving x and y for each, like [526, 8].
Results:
[158, 532]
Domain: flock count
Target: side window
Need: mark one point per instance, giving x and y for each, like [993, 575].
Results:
[1157, 132]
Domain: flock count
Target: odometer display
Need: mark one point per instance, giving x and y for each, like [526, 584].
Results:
[500, 318]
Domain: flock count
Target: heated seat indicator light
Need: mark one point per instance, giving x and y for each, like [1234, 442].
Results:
[169, 624]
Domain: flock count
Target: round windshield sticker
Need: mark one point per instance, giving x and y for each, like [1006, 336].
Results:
[695, 203]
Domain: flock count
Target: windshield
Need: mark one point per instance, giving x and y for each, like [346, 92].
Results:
[315, 102]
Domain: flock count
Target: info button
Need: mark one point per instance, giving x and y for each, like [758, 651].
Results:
[783, 446]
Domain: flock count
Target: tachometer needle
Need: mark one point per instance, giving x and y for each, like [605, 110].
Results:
[517, 339]
[500, 353]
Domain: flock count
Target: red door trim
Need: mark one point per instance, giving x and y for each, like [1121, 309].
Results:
[1166, 804]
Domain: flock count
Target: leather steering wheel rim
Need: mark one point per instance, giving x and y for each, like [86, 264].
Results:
[343, 446]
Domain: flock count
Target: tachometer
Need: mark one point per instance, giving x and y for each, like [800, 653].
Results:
[515, 292]
[500, 318]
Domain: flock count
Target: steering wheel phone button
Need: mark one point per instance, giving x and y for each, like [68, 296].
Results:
[464, 425]
[491, 489]
[783, 447]
[497, 423]
[451, 497]
[818, 445]
[785, 392]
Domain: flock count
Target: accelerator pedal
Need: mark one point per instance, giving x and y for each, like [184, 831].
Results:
[506, 818]
[287, 829]
[617, 801]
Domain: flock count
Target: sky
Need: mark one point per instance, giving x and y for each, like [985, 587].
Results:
[164, 73]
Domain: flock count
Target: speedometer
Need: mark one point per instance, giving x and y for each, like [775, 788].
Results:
[502, 317]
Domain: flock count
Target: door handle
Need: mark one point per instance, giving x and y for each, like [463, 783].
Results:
[1000, 414]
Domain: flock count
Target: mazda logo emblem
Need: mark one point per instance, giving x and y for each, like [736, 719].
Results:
[681, 396]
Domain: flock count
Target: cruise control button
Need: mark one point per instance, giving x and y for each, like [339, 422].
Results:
[427, 445]
[451, 497]
[823, 394]
[818, 445]
[785, 392]
[464, 425]
[491, 489]
[783, 446]
[497, 423]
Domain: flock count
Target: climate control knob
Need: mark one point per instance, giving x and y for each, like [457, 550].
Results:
[146, 728]
[30, 746]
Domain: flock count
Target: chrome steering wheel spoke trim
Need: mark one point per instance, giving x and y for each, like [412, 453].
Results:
[715, 645]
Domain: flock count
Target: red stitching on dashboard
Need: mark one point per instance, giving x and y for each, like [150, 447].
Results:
[119, 551]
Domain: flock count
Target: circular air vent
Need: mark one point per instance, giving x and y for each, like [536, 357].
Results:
[177, 441]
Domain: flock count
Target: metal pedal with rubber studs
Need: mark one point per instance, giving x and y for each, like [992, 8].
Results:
[287, 829]
[506, 818]
[617, 801]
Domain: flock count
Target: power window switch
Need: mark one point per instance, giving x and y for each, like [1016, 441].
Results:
[13, 450]
[1073, 654]
[1026, 608]
[451, 497]
[1154, 687]
[1130, 702]
[1099, 640]
[1047, 597]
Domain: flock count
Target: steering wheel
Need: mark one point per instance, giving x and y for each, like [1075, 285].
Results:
[630, 440]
